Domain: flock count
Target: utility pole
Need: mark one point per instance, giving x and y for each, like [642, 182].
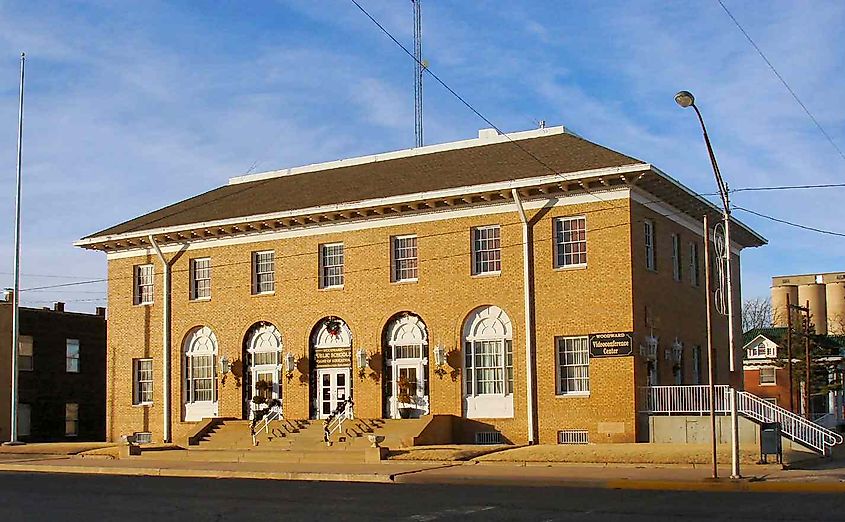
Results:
[807, 386]
[789, 352]
[16, 297]
[711, 389]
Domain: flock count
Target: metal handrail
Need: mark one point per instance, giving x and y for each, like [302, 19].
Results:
[274, 412]
[696, 400]
[334, 422]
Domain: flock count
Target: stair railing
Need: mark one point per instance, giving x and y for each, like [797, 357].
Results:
[794, 426]
[334, 422]
[273, 412]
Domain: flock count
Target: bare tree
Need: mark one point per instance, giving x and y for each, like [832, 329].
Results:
[756, 313]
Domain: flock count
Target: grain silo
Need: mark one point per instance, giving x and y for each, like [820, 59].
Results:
[779, 301]
[835, 307]
[814, 294]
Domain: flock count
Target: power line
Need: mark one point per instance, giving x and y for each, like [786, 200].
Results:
[789, 187]
[788, 88]
[785, 222]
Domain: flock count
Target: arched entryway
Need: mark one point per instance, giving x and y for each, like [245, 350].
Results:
[262, 356]
[200, 374]
[488, 364]
[331, 366]
[405, 382]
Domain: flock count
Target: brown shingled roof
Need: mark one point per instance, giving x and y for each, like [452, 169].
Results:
[447, 169]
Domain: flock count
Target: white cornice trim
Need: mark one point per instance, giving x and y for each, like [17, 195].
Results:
[392, 200]
[386, 221]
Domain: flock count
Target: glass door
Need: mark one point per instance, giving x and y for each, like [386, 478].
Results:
[333, 390]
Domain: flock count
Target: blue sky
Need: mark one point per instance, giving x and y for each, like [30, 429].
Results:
[135, 105]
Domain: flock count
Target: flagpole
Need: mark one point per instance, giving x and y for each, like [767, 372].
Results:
[13, 435]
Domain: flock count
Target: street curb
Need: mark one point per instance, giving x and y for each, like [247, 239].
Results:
[199, 473]
[716, 486]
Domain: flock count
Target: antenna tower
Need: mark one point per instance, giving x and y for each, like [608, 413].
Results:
[419, 69]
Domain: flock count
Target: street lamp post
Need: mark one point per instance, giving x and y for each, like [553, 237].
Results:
[686, 99]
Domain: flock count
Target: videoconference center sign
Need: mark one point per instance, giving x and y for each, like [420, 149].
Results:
[614, 344]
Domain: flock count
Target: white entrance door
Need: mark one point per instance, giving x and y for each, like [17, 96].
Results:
[265, 383]
[412, 374]
[332, 390]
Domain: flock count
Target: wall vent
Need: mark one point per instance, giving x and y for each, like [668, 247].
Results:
[488, 437]
[573, 437]
[143, 437]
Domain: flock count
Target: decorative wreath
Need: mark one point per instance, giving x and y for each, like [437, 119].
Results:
[333, 327]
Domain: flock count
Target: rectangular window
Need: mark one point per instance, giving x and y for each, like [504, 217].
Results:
[570, 241]
[486, 250]
[200, 273]
[489, 367]
[199, 385]
[263, 272]
[696, 365]
[694, 265]
[71, 419]
[405, 258]
[648, 229]
[144, 284]
[25, 353]
[72, 355]
[767, 376]
[331, 265]
[143, 377]
[573, 365]
[677, 262]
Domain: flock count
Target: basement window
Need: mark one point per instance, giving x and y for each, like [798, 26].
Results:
[573, 437]
[488, 437]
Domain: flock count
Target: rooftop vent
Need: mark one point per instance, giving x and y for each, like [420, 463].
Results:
[485, 134]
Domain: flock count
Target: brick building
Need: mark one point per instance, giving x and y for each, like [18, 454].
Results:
[62, 374]
[471, 279]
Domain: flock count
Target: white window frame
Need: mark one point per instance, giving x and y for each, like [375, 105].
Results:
[404, 259]
[486, 250]
[694, 265]
[648, 241]
[144, 284]
[677, 261]
[142, 382]
[579, 348]
[71, 419]
[332, 265]
[200, 275]
[263, 272]
[500, 366]
[26, 341]
[767, 382]
[71, 356]
[762, 351]
[564, 238]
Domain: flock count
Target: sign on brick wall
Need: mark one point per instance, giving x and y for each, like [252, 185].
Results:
[333, 357]
[613, 344]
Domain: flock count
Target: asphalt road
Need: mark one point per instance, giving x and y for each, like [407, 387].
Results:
[97, 498]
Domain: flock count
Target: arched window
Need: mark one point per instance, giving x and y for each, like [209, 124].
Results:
[200, 353]
[406, 367]
[488, 352]
[265, 345]
[488, 363]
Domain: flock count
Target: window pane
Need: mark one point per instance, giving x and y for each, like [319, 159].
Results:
[144, 284]
[487, 250]
[201, 278]
[570, 241]
[331, 265]
[72, 355]
[263, 271]
[573, 365]
[405, 258]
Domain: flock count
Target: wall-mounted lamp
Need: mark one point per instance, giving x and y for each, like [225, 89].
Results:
[361, 356]
[225, 367]
[290, 364]
[439, 360]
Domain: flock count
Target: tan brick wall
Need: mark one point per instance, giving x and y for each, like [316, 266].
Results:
[599, 298]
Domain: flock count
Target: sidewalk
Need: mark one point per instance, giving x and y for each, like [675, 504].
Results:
[608, 476]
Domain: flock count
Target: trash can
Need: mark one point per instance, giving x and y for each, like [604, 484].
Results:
[770, 441]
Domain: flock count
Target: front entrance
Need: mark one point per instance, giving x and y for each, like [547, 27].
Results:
[405, 352]
[262, 378]
[332, 390]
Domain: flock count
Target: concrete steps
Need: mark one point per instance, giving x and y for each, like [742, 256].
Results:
[295, 440]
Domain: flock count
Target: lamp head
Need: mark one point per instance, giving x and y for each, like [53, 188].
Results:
[684, 99]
